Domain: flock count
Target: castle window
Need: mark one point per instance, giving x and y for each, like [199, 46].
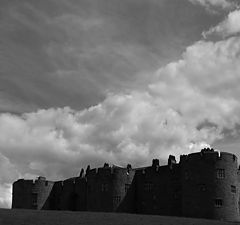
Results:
[148, 187]
[104, 187]
[220, 173]
[186, 175]
[127, 186]
[233, 189]
[177, 192]
[116, 199]
[34, 199]
[218, 202]
[202, 187]
[234, 158]
[46, 183]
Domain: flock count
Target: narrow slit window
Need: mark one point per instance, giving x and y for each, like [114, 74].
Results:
[220, 173]
[202, 187]
[148, 187]
[127, 186]
[104, 187]
[34, 199]
[186, 175]
[233, 189]
[116, 199]
[218, 202]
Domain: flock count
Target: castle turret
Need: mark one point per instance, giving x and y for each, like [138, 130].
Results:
[109, 188]
[29, 194]
[171, 161]
[155, 163]
[210, 185]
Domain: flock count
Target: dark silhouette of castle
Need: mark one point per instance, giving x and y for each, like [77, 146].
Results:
[203, 184]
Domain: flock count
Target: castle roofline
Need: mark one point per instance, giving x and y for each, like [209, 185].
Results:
[208, 153]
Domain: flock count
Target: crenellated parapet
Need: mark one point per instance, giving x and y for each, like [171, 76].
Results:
[210, 155]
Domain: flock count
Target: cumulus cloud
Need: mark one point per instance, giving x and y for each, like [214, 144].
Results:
[210, 4]
[230, 26]
[205, 81]
[123, 129]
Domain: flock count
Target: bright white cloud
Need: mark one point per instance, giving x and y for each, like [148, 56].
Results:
[224, 4]
[206, 82]
[5, 195]
[230, 26]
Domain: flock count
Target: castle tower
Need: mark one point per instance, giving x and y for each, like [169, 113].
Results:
[110, 189]
[123, 195]
[29, 194]
[210, 186]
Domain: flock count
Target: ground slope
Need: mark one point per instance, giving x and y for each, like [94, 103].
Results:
[32, 217]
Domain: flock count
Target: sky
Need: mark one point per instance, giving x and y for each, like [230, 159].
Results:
[87, 82]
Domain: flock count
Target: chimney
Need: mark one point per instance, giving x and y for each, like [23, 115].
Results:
[171, 161]
[155, 163]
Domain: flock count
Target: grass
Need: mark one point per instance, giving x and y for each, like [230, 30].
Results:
[33, 217]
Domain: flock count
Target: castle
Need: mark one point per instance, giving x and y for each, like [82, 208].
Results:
[205, 184]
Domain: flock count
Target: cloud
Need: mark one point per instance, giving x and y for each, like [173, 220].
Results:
[58, 53]
[230, 26]
[123, 129]
[216, 3]
[5, 195]
[205, 80]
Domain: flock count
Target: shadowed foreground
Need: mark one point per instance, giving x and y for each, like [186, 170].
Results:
[33, 217]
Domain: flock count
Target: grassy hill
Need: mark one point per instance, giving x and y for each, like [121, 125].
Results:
[32, 217]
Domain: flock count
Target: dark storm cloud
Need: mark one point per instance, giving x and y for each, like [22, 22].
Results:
[57, 53]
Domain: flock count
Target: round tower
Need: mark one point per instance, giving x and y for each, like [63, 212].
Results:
[123, 192]
[110, 189]
[31, 194]
[210, 187]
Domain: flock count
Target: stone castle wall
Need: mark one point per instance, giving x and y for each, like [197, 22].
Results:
[158, 190]
[29, 194]
[204, 184]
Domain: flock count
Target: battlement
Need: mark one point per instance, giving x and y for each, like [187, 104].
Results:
[209, 155]
[39, 179]
[107, 170]
[21, 181]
